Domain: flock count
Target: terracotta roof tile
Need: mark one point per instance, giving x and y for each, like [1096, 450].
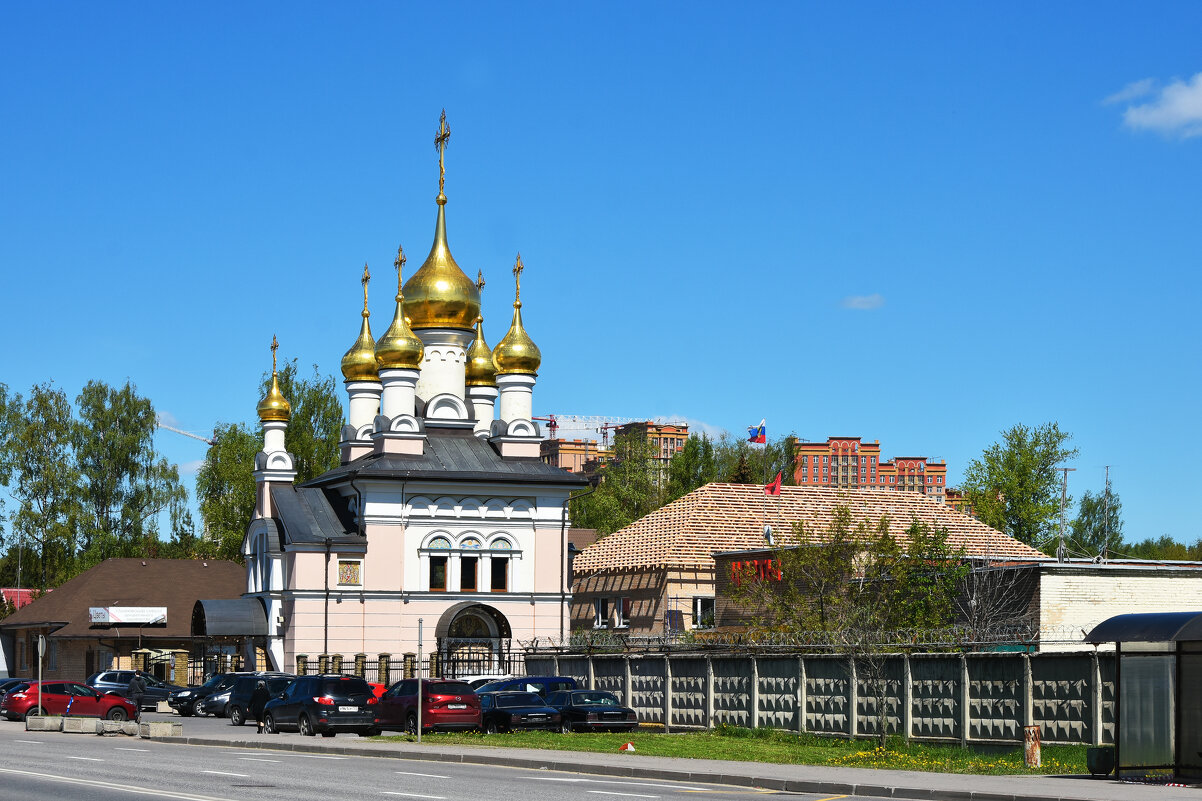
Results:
[727, 517]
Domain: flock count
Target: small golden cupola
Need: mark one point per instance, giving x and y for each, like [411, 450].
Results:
[399, 347]
[439, 294]
[481, 370]
[359, 363]
[274, 408]
[516, 353]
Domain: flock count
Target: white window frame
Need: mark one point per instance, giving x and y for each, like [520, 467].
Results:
[600, 613]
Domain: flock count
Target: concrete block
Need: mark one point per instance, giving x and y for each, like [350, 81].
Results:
[44, 723]
[80, 725]
[163, 708]
[126, 727]
[160, 729]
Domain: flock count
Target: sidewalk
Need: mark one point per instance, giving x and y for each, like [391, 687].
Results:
[795, 778]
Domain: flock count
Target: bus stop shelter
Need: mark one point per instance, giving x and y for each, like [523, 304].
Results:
[1158, 692]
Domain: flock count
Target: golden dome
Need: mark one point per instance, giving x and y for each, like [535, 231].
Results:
[274, 407]
[481, 370]
[359, 363]
[399, 348]
[440, 295]
[516, 352]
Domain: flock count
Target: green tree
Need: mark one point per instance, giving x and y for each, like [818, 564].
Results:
[42, 479]
[1099, 524]
[225, 484]
[1015, 487]
[741, 474]
[692, 467]
[125, 483]
[1164, 547]
[629, 487]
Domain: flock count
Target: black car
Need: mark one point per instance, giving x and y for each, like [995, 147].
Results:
[515, 711]
[8, 684]
[592, 710]
[218, 700]
[117, 681]
[325, 703]
[543, 685]
[190, 700]
[238, 706]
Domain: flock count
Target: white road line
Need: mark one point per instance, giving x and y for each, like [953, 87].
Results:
[85, 759]
[413, 795]
[681, 788]
[223, 773]
[139, 750]
[128, 788]
[31, 742]
[427, 775]
[256, 759]
[632, 795]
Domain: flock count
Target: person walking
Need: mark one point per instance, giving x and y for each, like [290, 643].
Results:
[258, 700]
[135, 693]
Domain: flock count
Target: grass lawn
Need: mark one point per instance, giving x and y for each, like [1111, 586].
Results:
[768, 745]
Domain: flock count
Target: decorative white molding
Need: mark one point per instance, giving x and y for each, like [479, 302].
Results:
[447, 407]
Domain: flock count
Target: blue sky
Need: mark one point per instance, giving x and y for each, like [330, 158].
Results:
[919, 223]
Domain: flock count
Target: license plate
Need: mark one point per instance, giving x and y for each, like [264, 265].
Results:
[456, 706]
[348, 709]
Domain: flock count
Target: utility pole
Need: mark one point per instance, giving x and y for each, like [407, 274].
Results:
[1060, 552]
[1106, 517]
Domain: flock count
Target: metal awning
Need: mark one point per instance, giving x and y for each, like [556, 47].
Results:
[237, 617]
[1148, 627]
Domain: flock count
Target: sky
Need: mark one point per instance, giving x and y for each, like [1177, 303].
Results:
[916, 223]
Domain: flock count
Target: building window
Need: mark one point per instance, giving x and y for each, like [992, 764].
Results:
[438, 573]
[622, 613]
[21, 656]
[499, 566]
[703, 613]
[600, 613]
[824, 458]
[52, 654]
[350, 572]
[468, 566]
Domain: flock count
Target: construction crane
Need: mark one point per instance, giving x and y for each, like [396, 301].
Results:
[205, 440]
[594, 423]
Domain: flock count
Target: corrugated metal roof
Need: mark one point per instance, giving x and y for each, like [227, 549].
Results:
[236, 617]
[309, 515]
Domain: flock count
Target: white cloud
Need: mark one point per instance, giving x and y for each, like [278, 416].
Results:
[1131, 91]
[1176, 110]
[191, 468]
[863, 302]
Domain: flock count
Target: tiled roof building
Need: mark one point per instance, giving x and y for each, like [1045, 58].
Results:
[664, 562]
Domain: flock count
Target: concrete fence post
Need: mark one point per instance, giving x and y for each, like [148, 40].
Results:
[965, 713]
[801, 695]
[627, 690]
[709, 692]
[1095, 681]
[1028, 696]
[555, 665]
[592, 673]
[907, 699]
[667, 693]
[853, 699]
[754, 717]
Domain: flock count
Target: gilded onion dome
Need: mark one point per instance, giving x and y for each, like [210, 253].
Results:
[359, 363]
[274, 407]
[516, 352]
[481, 370]
[439, 294]
[399, 348]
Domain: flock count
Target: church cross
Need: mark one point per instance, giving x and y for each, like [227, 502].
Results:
[440, 144]
[275, 345]
[517, 275]
[366, 278]
[399, 264]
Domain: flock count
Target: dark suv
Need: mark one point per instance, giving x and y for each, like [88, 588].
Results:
[325, 703]
[244, 687]
[117, 681]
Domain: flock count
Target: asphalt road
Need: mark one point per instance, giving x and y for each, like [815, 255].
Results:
[37, 765]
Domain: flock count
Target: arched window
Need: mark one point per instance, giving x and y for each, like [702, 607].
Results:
[501, 544]
[499, 565]
[438, 564]
[470, 543]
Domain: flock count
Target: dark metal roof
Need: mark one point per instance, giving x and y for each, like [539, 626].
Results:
[1149, 627]
[452, 453]
[309, 515]
[237, 617]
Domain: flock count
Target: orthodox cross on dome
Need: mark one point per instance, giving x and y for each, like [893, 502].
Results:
[480, 280]
[399, 264]
[440, 144]
[275, 345]
[365, 280]
[517, 276]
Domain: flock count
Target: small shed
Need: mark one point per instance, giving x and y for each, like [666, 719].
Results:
[1158, 692]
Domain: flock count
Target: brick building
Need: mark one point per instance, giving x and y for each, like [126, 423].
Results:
[573, 455]
[852, 463]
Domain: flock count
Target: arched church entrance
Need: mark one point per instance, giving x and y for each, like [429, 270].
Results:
[474, 640]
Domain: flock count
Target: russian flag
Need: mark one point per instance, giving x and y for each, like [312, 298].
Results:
[757, 433]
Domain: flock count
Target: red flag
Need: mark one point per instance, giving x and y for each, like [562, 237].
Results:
[774, 487]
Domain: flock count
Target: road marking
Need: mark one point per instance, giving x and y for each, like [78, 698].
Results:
[831, 797]
[128, 788]
[632, 795]
[317, 756]
[427, 775]
[256, 759]
[413, 795]
[223, 773]
[31, 742]
[85, 759]
[139, 750]
[678, 787]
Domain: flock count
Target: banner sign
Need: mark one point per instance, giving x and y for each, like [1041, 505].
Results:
[111, 615]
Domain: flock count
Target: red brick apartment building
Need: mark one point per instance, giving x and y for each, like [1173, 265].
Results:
[851, 463]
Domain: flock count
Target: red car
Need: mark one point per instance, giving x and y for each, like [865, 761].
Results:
[63, 698]
[450, 706]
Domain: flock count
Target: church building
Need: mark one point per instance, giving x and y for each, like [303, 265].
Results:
[441, 512]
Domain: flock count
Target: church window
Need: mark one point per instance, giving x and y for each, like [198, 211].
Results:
[500, 573]
[438, 573]
[350, 572]
[467, 573]
[439, 542]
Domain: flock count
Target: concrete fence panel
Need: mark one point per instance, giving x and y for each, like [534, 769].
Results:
[1060, 697]
[935, 697]
[647, 687]
[995, 694]
[1105, 734]
[777, 697]
[732, 691]
[828, 694]
[880, 686]
[609, 674]
[575, 667]
[689, 692]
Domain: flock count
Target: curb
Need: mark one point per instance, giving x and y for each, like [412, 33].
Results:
[636, 772]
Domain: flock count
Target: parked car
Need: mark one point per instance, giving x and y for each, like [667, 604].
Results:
[217, 702]
[8, 684]
[543, 685]
[515, 711]
[190, 700]
[117, 681]
[450, 705]
[592, 710]
[238, 707]
[475, 682]
[325, 703]
[61, 698]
